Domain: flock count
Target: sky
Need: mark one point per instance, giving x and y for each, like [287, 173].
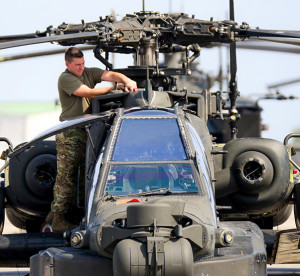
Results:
[35, 79]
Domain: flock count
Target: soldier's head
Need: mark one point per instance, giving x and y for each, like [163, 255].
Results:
[74, 61]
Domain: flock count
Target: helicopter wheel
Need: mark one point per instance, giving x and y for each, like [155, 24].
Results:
[297, 205]
[24, 221]
[31, 178]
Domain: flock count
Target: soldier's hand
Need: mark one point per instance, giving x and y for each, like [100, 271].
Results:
[121, 86]
[130, 85]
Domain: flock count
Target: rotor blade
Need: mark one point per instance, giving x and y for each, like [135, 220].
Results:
[74, 38]
[220, 75]
[40, 54]
[283, 83]
[233, 84]
[231, 10]
[233, 66]
[288, 41]
[267, 46]
[8, 38]
[31, 55]
[248, 33]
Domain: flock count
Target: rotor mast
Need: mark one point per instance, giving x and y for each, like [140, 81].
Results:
[145, 55]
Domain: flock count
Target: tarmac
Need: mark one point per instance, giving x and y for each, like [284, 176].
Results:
[12, 271]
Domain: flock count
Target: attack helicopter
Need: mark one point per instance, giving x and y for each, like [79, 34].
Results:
[161, 196]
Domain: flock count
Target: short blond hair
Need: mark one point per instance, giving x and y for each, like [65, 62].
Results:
[73, 52]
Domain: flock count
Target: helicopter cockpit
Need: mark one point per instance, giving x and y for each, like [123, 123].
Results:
[140, 162]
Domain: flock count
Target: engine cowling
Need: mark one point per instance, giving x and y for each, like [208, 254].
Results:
[255, 175]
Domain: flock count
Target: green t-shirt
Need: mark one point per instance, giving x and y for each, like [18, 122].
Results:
[71, 105]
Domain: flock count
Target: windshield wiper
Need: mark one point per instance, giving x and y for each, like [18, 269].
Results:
[151, 192]
[161, 191]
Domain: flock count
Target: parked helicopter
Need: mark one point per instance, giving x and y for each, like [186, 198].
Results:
[152, 172]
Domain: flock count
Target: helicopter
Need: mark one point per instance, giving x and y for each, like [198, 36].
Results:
[150, 206]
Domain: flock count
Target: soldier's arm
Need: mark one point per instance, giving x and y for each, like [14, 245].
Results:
[85, 91]
[120, 78]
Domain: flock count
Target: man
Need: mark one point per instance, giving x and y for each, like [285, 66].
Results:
[76, 86]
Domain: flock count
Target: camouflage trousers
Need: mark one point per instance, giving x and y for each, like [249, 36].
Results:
[71, 146]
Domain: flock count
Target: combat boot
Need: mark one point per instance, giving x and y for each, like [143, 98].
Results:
[59, 223]
[49, 218]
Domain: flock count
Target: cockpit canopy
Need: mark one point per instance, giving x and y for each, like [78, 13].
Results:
[149, 139]
[150, 152]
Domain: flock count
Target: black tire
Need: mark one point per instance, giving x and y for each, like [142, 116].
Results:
[283, 215]
[297, 205]
[24, 221]
[31, 179]
[2, 207]
[15, 218]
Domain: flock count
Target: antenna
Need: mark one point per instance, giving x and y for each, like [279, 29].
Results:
[143, 5]
[170, 6]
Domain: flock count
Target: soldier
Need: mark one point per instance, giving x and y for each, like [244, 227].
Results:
[76, 86]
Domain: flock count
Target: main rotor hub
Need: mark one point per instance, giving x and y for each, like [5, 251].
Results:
[147, 13]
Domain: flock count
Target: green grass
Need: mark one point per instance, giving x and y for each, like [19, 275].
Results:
[26, 108]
